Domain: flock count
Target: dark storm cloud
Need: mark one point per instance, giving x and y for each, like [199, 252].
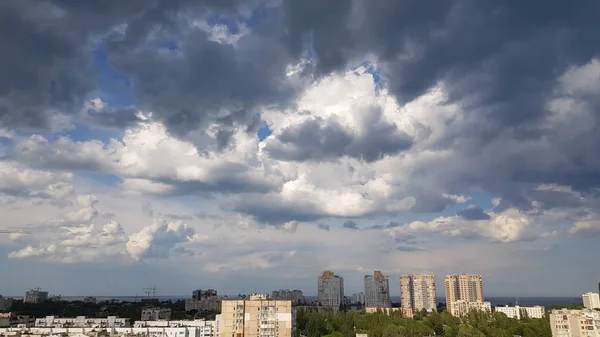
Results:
[473, 213]
[317, 139]
[350, 225]
[274, 211]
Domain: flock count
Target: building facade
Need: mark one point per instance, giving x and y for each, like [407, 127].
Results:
[575, 323]
[330, 289]
[377, 291]
[417, 292]
[461, 307]
[518, 312]
[5, 303]
[204, 300]
[156, 314]
[257, 317]
[296, 296]
[358, 298]
[463, 288]
[591, 300]
[82, 322]
[35, 296]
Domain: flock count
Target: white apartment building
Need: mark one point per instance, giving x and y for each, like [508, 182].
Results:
[517, 311]
[331, 289]
[156, 314]
[462, 307]
[591, 300]
[575, 323]
[79, 332]
[205, 328]
[377, 291]
[417, 292]
[82, 322]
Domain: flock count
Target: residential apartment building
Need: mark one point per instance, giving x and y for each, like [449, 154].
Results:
[5, 303]
[82, 322]
[257, 317]
[296, 296]
[358, 298]
[330, 289]
[35, 296]
[575, 323]
[156, 314]
[203, 328]
[461, 307]
[94, 332]
[463, 288]
[591, 300]
[377, 290]
[417, 292]
[518, 312]
[204, 300]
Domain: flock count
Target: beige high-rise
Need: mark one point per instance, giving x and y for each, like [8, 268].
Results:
[257, 317]
[463, 287]
[418, 292]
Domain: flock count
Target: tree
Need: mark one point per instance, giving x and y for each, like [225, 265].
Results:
[393, 330]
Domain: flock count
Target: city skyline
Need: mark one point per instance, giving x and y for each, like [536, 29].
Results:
[250, 145]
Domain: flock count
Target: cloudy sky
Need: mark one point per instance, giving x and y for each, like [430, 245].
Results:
[250, 145]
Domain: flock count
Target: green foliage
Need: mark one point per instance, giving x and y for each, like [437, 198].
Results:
[475, 324]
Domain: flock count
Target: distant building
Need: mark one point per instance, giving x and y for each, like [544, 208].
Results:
[257, 317]
[82, 322]
[204, 300]
[35, 296]
[5, 303]
[591, 300]
[331, 289]
[156, 314]
[296, 296]
[90, 300]
[518, 312]
[462, 307]
[377, 290]
[463, 288]
[575, 323]
[386, 310]
[5, 320]
[417, 292]
[358, 298]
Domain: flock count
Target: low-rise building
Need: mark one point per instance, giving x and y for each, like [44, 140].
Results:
[462, 307]
[94, 332]
[82, 322]
[518, 312]
[156, 314]
[591, 300]
[575, 323]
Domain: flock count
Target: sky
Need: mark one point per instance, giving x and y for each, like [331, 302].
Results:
[248, 146]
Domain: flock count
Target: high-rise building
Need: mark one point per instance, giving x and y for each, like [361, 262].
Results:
[575, 323]
[204, 300]
[358, 298]
[296, 296]
[417, 292]
[464, 288]
[331, 289]
[257, 317]
[591, 300]
[377, 291]
[35, 296]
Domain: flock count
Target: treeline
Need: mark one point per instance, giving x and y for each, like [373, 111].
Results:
[475, 324]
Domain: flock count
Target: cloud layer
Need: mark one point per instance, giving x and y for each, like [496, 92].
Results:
[249, 138]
